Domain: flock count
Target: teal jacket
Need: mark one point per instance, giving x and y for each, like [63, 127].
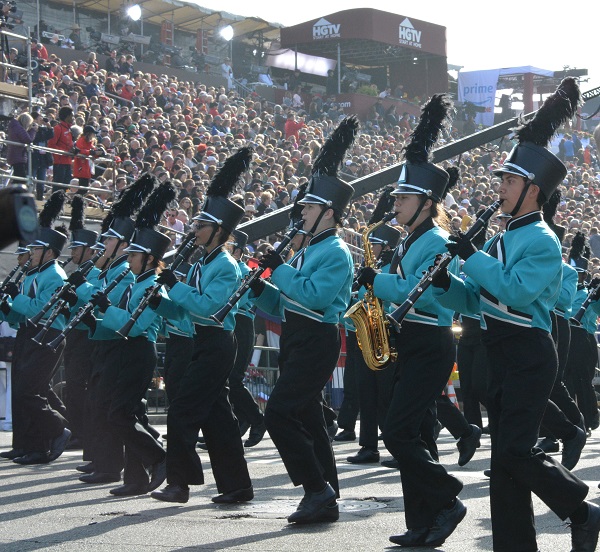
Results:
[589, 322]
[568, 290]
[320, 289]
[92, 278]
[148, 323]
[42, 286]
[516, 279]
[94, 284]
[210, 283]
[395, 287]
[246, 303]
[13, 318]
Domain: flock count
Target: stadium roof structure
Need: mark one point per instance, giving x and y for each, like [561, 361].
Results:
[185, 15]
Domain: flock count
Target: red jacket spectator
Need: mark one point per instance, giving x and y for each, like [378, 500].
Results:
[82, 168]
[292, 126]
[62, 140]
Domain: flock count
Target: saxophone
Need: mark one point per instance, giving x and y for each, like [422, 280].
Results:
[372, 328]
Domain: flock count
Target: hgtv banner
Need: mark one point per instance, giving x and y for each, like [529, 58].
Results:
[479, 88]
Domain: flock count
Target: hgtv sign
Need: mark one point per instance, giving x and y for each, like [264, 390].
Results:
[324, 29]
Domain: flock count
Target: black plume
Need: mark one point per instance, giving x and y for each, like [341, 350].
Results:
[435, 116]
[556, 110]
[334, 149]
[385, 203]
[454, 173]
[132, 197]
[106, 222]
[77, 213]
[579, 247]
[52, 209]
[549, 208]
[226, 178]
[296, 211]
[153, 210]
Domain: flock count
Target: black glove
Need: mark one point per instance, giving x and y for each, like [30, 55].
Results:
[386, 257]
[594, 283]
[366, 275]
[271, 260]
[257, 286]
[90, 321]
[167, 278]
[101, 301]
[460, 245]
[11, 289]
[155, 301]
[70, 296]
[5, 308]
[65, 310]
[76, 278]
[442, 277]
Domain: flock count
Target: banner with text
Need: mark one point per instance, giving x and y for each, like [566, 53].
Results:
[479, 88]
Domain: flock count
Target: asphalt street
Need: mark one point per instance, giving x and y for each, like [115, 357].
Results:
[46, 508]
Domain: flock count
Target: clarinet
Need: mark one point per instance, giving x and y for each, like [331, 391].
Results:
[83, 312]
[396, 317]
[17, 280]
[591, 297]
[57, 296]
[252, 277]
[9, 278]
[183, 253]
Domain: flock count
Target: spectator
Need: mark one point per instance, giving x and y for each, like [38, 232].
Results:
[83, 168]
[63, 141]
[22, 130]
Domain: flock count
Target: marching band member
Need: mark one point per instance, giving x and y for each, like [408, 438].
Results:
[42, 429]
[310, 297]
[129, 376]
[202, 399]
[244, 405]
[105, 452]
[78, 348]
[425, 346]
[515, 282]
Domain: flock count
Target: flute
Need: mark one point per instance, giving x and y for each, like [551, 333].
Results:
[220, 315]
[396, 317]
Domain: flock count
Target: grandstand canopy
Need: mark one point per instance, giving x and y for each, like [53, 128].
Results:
[367, 37]
[184, 15]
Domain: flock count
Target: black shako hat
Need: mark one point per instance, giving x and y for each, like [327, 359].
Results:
[530, 158]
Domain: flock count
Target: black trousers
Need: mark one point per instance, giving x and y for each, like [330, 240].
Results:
[350, 404]
[35, 422]
[471, 357]
[123, 386]
[375, 394]
[178, 355]
[579, 372]
[242, 401]
[202, 403]
[451, 417]
[309, 351]
[78, 369]
[425, 360]
[522, 372]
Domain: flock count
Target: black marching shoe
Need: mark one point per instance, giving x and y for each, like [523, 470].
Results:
[572, 449]
[244, 427]
[468, 445]
[32, 458]
[317, 507]
[364, 456]
[86, 468]
[158, 474]
[129, 489]
[392, 463]
[257, 432]
[584, 536]
[345, 435]
[548, 445]
[233, 497]
[58, 445]
[445, 523]
[332, 430]
[413, 537]
[487, 473]
[172, 493]
[12, 454]
[98, 478]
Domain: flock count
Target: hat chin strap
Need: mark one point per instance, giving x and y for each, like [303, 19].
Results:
[312, 231]
[514, 212]
[422, 199]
